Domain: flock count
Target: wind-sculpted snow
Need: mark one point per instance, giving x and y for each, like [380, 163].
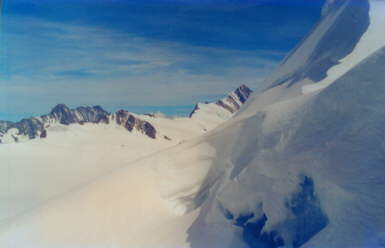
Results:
[291, 169]
[315, 179]
[307, 219]
[343, 24]
[304, 170]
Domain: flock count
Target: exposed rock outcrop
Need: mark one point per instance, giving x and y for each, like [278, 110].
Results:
[67, 116]
[38, 127]
[31, 128]
[130, 122]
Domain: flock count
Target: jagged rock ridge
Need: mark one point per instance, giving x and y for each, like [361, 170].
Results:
[80, 115]
[129, 121]
[37, 127]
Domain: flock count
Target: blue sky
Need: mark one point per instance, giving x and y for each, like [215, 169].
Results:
[137, 54]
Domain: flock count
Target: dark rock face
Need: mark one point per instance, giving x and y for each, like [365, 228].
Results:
[235, 99]
[196, 108]
[30, 127]
[225, 106]
[43, 134]
[87, 114]
[243, 93]
[149, 130]
[130, 122]
[233, 104]
[63, 114]
[94, 114]
[120, 115]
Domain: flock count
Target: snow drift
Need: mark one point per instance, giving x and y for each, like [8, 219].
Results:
[300, 165]
[306, 165]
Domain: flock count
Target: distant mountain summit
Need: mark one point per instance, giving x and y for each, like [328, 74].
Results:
[231, 103]
[61, 114]
[300, 165]
[36, 127]
[66, 116]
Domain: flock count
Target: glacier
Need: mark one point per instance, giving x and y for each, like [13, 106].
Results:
[84, 143]
[301, 164]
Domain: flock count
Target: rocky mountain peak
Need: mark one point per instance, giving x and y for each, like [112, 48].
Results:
[34, 127]
[243, 92]
[232, 102]
[60, 108]
[130, 122]
[94, 114]
[62, 114]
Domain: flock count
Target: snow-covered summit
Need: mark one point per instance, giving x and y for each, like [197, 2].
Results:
[66, 116]
[300, 165]
[224, 107]
[38, 127]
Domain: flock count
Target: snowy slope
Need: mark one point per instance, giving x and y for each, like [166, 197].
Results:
[305, 168]
[294, 168]
[223, 109]
[83, 144]
[121, 208]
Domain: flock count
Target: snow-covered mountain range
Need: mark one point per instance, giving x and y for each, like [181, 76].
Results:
[301, 164]
[205, 116]
[69, 147]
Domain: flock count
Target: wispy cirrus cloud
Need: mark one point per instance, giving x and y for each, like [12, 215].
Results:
[140, 52]
[50, 62]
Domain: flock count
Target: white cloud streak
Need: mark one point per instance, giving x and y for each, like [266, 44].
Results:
[48, 63]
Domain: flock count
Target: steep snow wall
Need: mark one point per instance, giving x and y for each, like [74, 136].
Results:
[306, 170]
[338, 40]
[290, 170]
[312, 181]
[372, 40]
[338, 32]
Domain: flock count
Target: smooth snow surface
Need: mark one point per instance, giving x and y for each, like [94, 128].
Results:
[289, 170]
[35, 171]
[211, 112]
[138, 195]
